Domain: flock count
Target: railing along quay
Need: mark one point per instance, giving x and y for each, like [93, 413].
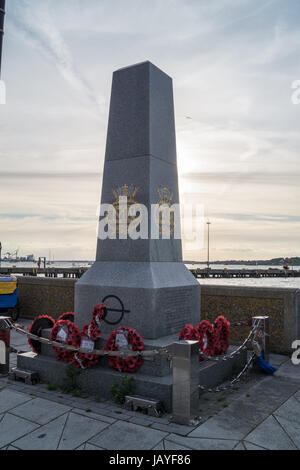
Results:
[243, 273]
[45, 272]
[77, 272]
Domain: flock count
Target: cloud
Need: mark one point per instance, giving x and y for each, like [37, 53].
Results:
[35, 24]
[261, 178]
[280, 218]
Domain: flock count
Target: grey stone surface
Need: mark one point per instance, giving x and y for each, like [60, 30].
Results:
[148, 174]
[271, 435]
[240, 446]
[250, 446]
[98, 381]
[46, 437]
[88, 446]
[12, 427]
[161, 297]
[213, 373]
[63, 433]
[159, 446]
[100, 417]
[128, 436]
[40, 411]
[202, 444]
[174, 428]
[221, 428]
[169, 445]
[79, 429]
[74, 428]
[9, 399]
[292, 428]
[289, 371]
[289, 410]
[141, 120]
[147, 275]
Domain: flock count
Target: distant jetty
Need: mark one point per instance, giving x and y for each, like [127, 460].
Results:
[200, 273]
[243, 273]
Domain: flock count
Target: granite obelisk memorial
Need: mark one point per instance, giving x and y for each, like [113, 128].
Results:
[144, 278]
[141, 279]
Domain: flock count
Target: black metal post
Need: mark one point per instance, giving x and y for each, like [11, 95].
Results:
[2, 13]
[208, 224]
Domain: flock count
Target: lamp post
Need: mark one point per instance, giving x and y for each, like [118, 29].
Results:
[208, 224]
[2, 13]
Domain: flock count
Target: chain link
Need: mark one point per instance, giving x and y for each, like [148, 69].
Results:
[147, 353]
[234, 353]
[242, 323]
[237, 379]
[97, 352]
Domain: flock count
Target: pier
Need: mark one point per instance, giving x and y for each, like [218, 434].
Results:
[204, 273]
[45, 272]
[199, 273]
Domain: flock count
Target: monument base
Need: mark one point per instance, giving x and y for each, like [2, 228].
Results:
[158, 298]
[153, 379]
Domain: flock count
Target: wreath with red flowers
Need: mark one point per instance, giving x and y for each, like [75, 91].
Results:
[72, 337]
[88, 359]
[189, 333]
[67, 316]
[39, 323]
[134, 341]
[222, 327]
[207, 337]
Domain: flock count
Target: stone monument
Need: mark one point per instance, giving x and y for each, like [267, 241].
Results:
[145, 279]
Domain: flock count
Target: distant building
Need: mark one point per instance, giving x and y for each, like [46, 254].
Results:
[30, 258]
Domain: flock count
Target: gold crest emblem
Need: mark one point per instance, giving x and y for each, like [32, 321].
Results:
[128, 191]
[163, 208]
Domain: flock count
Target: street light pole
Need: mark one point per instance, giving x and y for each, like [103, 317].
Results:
[208, 224]
[2, 13]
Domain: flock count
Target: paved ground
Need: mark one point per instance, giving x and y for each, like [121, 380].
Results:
[263, 414]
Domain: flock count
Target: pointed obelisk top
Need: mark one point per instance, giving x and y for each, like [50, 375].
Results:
[141, 119]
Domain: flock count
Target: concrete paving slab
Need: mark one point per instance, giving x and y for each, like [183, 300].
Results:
[88, 446]
[223, 426]
[202, 443]
[10, 398]
[292, 428]
[250, 446]
[159, 446]
[46, 437]
[270, 393]
[289, 371]
[40, 411]
[141, 421]
[79, 429]
[169, 445]
[278, 359]
[297, 395]
[289, 410]
[240, 446]
[128, 436]
[12, 428]
[271, 436]
[97, 416]
[174, 428]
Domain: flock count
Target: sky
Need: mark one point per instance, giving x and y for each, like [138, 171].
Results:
[233, 63]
